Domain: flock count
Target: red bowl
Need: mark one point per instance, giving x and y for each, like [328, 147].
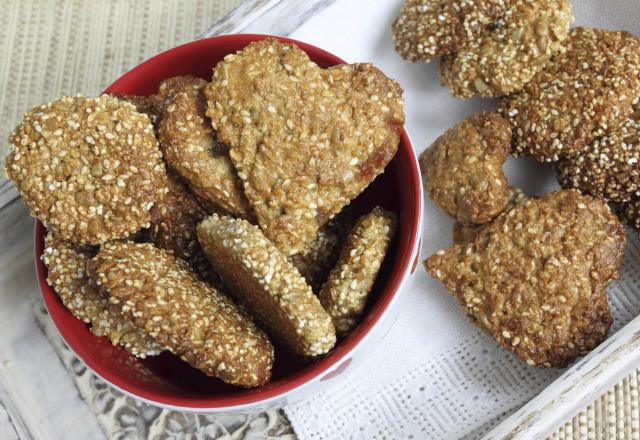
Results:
[167, 381]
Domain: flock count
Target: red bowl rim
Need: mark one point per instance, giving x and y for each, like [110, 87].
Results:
[408, 256]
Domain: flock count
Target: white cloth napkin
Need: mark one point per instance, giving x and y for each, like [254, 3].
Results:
[436, 375]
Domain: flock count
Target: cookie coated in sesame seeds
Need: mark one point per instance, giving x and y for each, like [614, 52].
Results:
[630, 212]
[315, 265]
[344, 294]
[609, 166]
[426, 29]
[170, 87]
[510, 52]
[190, 148]
[261, 278]
[463, 234]
[174, 219]
[304, 140]
[67, 275]
[535, 278]
[462, 169]
[143, 104]
[89, 168]
[161, 295]
[583, 93]
[173, 228]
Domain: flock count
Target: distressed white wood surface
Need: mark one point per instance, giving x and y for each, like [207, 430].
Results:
[7, 430]
[576, 388]
[274, 17]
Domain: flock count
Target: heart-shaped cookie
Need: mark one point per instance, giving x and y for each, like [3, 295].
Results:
[535, 278]
[304, 140]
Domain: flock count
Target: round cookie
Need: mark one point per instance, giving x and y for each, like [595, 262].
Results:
[161, 294]
[344, 294]
[609, 166]
[170, 87]
[630, 212]
[426, 29]
[89, 168]
[143, 104]
[582, 94]
[191, 149]
[173, 228]
[264, 281]
[68, 276]
[508, 54]
[315, 265]
[174, 219]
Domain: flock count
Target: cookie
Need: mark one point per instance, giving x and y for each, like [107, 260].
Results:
[304, 140]
[427, 29]
[170, 87]
[609, 166]
[191, 149]
[535, 278]
[583, 93]
[344, 294]
[463, 234]
[462, 169]
[262, 279]
[315, 265]
[630, 212]
[174, 219]
[510, 52]
[143, 104]
[162, 296]
[68, 276]
[89, 168]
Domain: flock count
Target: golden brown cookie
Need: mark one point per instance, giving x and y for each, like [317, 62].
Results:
[582, 94]
[609, 166]
[191, 149]
[173, 228]
[510, 52]
[304, 140]
[68, 276]
[260, 277]
[161, 295]
[143, 104]
[174, 219]
[463, 234]
[462, 169]
[535, 278]
[89, 168]
[170, 87]
[426, 29]
[630, 212]
[315, 265]
[344, 294]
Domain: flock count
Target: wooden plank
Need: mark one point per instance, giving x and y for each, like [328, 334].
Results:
[7, 430]
[274, 17]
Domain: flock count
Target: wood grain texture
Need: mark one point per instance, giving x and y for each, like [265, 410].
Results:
[7, 430]
[274, 17]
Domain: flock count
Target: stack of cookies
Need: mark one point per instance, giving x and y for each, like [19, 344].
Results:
[487, 47]
[213, 218]
[532, 271]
